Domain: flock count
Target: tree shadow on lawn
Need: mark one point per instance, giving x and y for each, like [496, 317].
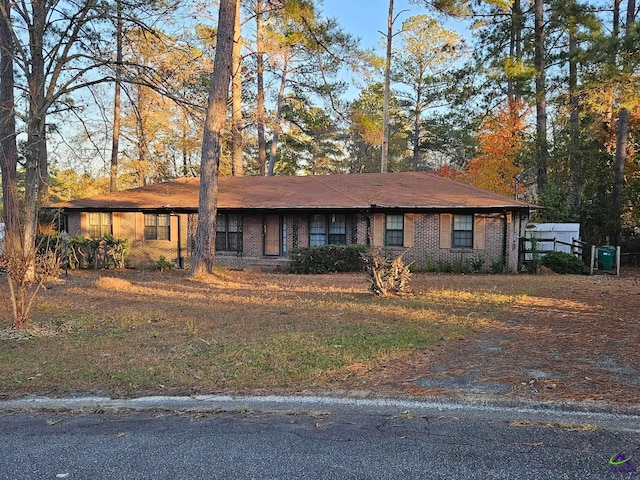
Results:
[575, 340]
[131, 332]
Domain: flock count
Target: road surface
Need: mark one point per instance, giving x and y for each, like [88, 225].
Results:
[314, 440]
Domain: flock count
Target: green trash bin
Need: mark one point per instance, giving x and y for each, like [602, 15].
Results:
[606, 258]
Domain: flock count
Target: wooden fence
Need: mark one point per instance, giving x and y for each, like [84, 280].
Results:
[546, 245]
[530, 251]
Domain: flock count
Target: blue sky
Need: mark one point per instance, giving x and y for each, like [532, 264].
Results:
[367, 18]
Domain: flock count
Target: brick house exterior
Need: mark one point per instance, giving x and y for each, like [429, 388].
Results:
[435, 221]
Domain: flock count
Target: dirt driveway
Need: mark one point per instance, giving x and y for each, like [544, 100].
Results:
[577, 343]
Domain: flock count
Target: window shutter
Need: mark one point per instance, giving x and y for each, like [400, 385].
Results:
[409, 230]
[378, 230]
[115, 224]
[84, 224]
[139, 226]
[173, 228]
[478, 232]
[445, 230]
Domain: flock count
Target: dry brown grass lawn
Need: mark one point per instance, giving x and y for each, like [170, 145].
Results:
[126, 333]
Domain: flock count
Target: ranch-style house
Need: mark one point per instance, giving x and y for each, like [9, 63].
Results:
[434, 220]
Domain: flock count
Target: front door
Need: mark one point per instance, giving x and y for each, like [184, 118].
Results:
[272, 235]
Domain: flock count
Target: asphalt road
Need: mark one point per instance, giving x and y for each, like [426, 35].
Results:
[313, 440]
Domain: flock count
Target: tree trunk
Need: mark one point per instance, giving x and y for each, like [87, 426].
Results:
[204, 253]
[237, 168]
[622, 139]
[512, 52]
[542, 150]
[36, 147]
[37, 172]
[260, 113]
[574, 116]
[277, 120]
[615, 32]
[622, 134]
[514, 87]
[141, 144]
[416, 131]
[8, 147]
[115, 138]
[387, 94]
[186, 162]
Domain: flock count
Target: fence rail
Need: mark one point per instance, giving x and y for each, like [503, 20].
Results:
[588, 253]
[526, 254]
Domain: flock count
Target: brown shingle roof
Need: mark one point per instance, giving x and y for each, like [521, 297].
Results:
[410, 190]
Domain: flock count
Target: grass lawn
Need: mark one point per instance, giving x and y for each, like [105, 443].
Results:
[126, 333]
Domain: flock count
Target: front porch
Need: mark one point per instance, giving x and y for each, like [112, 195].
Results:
[239, 262]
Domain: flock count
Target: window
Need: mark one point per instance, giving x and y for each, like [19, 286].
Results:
[462, 231]
[327, 229]
[229, 232]
[337, 230]
[156, 227]
[394, 230]
[99, 224]
[318, 230]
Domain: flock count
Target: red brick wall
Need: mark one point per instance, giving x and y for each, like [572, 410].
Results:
[425, 252]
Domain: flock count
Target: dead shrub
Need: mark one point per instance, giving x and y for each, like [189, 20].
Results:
[387, 273]
[27, 269]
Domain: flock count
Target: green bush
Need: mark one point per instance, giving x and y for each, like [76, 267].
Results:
[562, 262]
[162, 264]
[428, 266]
[498, 267]
[461, 265]
[327, 259]
[79, 252]
[105, 252]
[477, 263]
[445, 267]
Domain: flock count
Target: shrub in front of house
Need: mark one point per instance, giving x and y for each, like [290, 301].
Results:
[387, 273]
[79, 252]
[327, 259]
[162, 264]
[106, 252]
[563, 262]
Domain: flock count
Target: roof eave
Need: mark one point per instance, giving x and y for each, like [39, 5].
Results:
[191, 209]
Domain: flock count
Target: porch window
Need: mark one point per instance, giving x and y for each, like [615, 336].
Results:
[100, 224]
[229, 232]
[327, 229]
[394, 230]
[156, 227]
[462, 231]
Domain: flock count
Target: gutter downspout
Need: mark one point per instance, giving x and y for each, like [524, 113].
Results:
[180, 260]
[505, 232]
